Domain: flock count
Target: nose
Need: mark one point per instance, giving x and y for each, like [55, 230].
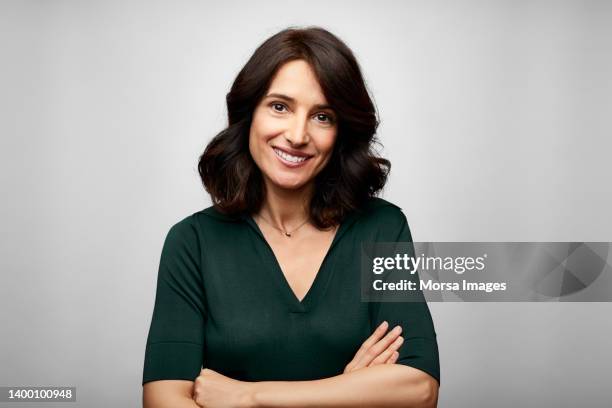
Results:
[297, 134]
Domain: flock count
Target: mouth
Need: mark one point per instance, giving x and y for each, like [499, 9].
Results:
[289, 159]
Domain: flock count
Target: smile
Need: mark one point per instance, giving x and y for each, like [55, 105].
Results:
[290, 160]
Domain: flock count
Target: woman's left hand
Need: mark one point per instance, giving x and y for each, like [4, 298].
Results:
[214, 390]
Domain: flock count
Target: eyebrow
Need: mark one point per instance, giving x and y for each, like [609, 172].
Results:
[292, 100]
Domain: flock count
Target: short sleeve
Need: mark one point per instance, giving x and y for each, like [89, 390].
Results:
[420, 347]
[174, 347]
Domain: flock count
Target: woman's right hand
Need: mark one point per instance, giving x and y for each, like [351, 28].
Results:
[377, 349]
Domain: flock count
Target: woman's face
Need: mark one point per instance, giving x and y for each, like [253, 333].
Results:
[293, 130]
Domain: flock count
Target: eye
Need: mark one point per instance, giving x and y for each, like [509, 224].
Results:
[277, 106]
[325, 118]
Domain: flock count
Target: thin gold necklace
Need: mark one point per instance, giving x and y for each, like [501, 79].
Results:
[285, 232]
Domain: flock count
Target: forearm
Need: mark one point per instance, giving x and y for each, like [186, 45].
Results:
[168, 394]
[171, 401]
[391, 385]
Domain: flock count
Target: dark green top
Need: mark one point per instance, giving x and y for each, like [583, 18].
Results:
[223, 303]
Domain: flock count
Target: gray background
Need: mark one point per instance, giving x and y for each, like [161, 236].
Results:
[495, 115]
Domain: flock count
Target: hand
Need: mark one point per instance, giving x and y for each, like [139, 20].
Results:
[214, 390]
[375, 351]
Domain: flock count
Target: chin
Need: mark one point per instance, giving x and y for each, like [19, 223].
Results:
[288, 184]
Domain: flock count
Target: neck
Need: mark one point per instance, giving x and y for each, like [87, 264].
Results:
[286, 208]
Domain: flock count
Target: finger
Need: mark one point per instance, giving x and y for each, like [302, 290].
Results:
[393, 358]
[386, 354]
[374, 337]
[382, 358]
[379, 347]
[370, 341]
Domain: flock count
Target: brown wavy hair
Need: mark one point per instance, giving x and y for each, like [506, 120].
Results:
[354, 172]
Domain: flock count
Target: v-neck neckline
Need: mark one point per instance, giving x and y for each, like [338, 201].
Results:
[320, 280]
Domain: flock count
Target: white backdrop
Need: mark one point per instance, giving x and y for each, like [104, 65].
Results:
[494, 114]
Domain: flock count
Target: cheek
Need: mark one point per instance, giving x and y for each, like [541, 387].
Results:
[264, 127]
[326, 144]
[261, 131]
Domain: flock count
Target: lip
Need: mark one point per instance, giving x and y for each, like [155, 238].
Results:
[288, 163]
[292, 151]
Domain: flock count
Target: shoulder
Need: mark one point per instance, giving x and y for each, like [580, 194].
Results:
[212, 214]
[381, 220]
[379, 210]
[182, 234]
[208, 221]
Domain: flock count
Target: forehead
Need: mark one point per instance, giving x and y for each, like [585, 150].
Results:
[298, 80]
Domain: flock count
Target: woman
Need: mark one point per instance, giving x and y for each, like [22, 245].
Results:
[262, 289]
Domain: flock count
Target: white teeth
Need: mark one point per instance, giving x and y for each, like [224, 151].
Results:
[288, 157]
